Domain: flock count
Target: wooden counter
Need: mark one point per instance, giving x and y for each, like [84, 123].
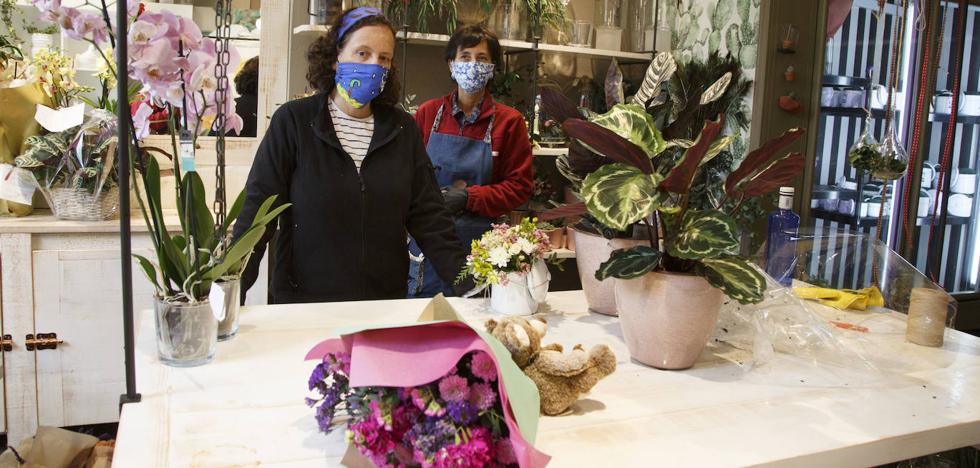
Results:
[246, 408]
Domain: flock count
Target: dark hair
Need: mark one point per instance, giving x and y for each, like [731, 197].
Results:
[247, 79]
[322, 56]
[473, 35]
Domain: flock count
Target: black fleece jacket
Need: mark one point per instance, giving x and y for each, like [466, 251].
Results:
[344, 237]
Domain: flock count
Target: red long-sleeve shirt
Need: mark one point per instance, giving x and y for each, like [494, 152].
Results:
[513, 174]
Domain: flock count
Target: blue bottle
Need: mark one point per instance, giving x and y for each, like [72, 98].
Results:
[784, 225]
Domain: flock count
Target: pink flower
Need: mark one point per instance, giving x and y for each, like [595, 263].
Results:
[475, 452]
[453, 388]
[188, 33]
[141, 120]
[89, 26]
[66, 20]
[483, 367]
[504, 452]
[482, 396]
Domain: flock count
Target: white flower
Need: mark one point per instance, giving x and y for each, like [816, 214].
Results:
[514, 249]
[498, 257]
[526, 246]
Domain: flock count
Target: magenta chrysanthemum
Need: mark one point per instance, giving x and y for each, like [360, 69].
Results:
[454, 388]
[482, 396]
[483, 367]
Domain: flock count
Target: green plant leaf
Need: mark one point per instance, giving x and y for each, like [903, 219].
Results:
[151, 272]
[619, 195]
[242, 247]
[198, 221]
[704, 234]
[633, 123]
[629, 264]
[679, 180]
[736, 277]
[718, 146]
[603, 141]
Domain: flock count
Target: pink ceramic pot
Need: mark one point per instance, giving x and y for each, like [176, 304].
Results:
[557, 238]
[667, 318]
[590, 251]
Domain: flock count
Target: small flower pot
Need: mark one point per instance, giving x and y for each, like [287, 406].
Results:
[523, 293]
[556, 237]
[590, 251]
[667, 318]
[187, 333]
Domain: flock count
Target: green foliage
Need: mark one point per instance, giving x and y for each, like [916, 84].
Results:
[736, 277]
[619, 195]
[704, 234]
[629, 263]
[633, 123]
[553, 12]
[79, 158]
[190, 261]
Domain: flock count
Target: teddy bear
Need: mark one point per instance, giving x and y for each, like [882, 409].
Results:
[560, 377]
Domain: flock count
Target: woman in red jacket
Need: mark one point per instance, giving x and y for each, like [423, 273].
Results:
[479, 149]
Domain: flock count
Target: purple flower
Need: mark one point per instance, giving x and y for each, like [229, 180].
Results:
[428, 436]
[482, 396]
[483, 367]
[461, 412]
[454, 388]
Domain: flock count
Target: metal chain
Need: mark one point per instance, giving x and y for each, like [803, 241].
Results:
[222, 31]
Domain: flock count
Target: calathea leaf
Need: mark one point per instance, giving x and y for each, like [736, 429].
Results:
[781, 172]
[718, 146]
[629, 264]
[717, 89]
[559, 107]
[760, 158]
[679, 180]
[607, 143]
[659, 71]
[704, 234]
[736, 277]
[618, 195]
[633, 123]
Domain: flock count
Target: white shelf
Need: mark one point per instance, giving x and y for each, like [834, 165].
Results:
[549, 151]
[564, 253]
[443, 39]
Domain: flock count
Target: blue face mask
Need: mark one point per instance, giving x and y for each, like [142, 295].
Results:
[472, 77]
[359, 83]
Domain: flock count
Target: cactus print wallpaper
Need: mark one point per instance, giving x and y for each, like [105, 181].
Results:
[704, 26]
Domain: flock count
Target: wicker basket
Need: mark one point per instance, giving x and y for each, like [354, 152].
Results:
[80, 205]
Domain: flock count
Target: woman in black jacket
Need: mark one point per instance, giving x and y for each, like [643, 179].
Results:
[356, 172]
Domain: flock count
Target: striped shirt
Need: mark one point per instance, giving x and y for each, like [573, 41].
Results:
[354, 133]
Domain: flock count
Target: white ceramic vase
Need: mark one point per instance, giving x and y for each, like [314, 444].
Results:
[523, 293]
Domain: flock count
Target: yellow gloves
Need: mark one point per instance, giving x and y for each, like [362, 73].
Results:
[858, 299]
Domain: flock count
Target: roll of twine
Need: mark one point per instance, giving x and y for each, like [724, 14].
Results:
[926, 324]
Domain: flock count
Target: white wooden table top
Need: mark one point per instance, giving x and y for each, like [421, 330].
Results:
[246, 408]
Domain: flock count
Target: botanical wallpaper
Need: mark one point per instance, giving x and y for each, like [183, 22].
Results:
[704, 26]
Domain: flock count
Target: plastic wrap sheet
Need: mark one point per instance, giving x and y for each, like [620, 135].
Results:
[835, 347]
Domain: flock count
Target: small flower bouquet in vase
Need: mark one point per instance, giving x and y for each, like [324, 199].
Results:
[511, 260]
[434, 394]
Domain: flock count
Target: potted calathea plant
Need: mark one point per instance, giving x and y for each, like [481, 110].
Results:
[669, 289]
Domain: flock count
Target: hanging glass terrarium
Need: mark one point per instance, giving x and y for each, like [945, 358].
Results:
[894, 159]
[864, 153]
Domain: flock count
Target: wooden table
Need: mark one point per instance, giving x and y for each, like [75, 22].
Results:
[246, 408]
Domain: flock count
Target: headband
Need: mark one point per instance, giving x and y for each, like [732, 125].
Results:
[355, 15]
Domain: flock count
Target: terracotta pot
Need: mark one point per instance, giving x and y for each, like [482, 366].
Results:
[667, 318]
[590, 251]
[556, 237]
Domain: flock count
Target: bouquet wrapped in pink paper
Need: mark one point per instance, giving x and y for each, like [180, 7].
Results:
[432, 394]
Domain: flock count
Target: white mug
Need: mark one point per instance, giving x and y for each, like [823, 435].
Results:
[964, 182]
[853, 98]
[929, 174]
[925, 204]
[829, 97]
[960, 205]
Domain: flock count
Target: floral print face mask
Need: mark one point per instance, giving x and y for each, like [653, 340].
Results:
[472, 77]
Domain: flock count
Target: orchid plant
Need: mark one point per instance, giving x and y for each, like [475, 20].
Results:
[172, 65]
[628, 178]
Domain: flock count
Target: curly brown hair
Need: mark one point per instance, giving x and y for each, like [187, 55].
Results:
[247, 79]
[322, 56]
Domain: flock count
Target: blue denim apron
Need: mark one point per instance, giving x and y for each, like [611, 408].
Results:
[455, 158]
